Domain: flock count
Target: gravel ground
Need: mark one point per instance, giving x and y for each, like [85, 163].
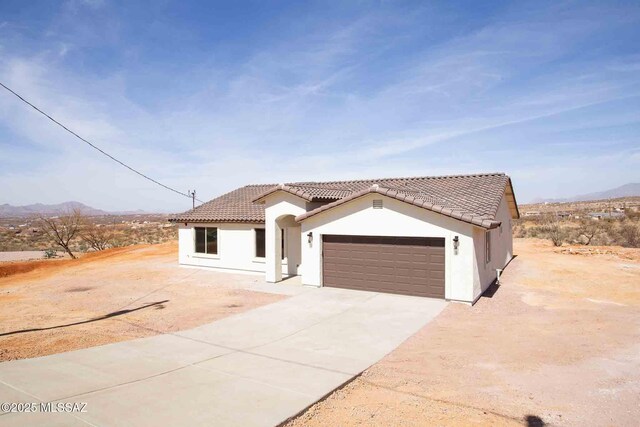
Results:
[115, 295]
[557, 344]
[20, 256]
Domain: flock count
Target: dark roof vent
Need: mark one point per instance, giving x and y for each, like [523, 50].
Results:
[377, 204]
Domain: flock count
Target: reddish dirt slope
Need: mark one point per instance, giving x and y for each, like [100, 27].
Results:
[113, 295]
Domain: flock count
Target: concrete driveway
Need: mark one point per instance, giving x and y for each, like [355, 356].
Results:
[256, 368]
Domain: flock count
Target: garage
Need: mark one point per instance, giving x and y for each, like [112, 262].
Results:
[397, 265]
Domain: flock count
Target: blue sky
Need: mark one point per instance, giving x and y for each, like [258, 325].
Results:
[213, 96]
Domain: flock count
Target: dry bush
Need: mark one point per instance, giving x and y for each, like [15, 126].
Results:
[50, 253]
[519, 231]
[99, 236]
[556, 233]
[629, 234]
[633, 215]
[589, 229]
[604, 232]
[63, 229]
[28, 234]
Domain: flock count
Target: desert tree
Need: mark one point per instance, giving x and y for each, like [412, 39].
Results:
[99, 236]
[62, 230]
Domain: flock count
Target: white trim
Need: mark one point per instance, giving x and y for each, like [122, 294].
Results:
[205, 256]
[262, 260]
[285, 249]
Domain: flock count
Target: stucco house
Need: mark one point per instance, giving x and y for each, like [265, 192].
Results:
[437, 236]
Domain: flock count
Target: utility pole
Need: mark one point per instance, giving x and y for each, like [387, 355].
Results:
[192, 194]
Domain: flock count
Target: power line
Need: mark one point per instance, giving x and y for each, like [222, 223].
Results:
[97, 148]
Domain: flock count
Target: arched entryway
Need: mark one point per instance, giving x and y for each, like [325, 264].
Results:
[283, 251]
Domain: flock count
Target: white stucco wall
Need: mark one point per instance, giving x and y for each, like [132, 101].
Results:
[501, 250]
[395, 219]
[280, 209]
[467, 274]
[236, 248]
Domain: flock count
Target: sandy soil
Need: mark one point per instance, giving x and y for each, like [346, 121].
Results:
[115, 295]
[20, 256]
[557, 344]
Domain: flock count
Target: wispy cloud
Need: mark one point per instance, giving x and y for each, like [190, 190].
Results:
[337, 94]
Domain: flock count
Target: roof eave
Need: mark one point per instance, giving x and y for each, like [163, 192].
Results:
[219, 220]
[513, 195]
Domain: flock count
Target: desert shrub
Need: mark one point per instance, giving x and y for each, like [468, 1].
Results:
[629, 234]
[519, 231]
[556, 233]
[588, 230]
[50, 253]
[99, 236]
[118, 242]
[535, 231]
[122, 231]
[632, 215]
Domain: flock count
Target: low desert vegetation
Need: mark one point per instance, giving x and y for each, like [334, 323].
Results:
[74, 232]
[582, 230]
[100, 236]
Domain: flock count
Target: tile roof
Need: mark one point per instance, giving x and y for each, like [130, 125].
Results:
[414, 198]
[311, 193]
[235, 206]
[469, 198]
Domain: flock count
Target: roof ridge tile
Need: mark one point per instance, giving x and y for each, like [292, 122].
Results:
[476, 197]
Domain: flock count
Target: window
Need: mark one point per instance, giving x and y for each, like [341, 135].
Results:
[207, 240]
[261, 243]
[487, 246]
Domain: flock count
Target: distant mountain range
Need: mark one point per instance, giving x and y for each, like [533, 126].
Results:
[627, 190]
[8, 210]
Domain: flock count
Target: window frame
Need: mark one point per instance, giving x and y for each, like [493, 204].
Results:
[255, 243]
[206, 243]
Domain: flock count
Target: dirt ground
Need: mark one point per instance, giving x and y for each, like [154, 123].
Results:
[20, 256]
[119, 294]
[558, 343]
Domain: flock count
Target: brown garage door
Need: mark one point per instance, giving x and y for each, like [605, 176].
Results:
[397, 265]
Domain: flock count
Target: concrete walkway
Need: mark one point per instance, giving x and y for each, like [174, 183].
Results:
[256, 368]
